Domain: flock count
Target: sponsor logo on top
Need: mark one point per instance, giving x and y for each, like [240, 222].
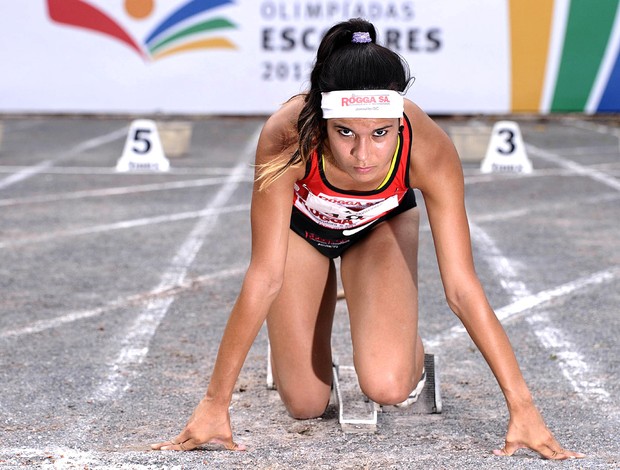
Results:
[355, 100]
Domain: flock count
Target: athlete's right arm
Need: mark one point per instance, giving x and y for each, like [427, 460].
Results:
[270, 219]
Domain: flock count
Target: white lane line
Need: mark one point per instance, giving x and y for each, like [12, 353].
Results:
[57, 458]
[25, 174]
[92, 170]
[128, 224]
[570, 360]
[124, 302]
[194, 214]
[575, 167]
[545, 207]
[587, 151]
[28, 172]
[118, 191]
[96, 142]
[572, 363]
[135, 343]
[524, 304]
[516, 309]
[526, 212]
[473, 176]
[592, 126]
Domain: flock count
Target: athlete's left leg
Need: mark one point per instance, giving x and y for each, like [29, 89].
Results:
[379, 275]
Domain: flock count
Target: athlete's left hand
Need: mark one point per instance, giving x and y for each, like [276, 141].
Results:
[527, 429]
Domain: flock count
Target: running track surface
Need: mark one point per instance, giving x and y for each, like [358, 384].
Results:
[116, 288]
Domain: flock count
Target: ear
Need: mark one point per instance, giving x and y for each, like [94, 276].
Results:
[401, 127]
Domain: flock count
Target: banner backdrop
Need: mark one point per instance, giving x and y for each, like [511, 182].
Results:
[248, 56]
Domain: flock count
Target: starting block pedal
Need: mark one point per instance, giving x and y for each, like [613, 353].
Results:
[271, 385]
[429, 401]
[356, 412]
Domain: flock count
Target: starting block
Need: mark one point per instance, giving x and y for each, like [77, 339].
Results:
[356, 412]
[429, 401]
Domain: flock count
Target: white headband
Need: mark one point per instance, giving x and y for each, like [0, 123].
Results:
[374, 104]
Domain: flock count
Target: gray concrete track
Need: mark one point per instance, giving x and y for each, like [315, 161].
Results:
[115, 289]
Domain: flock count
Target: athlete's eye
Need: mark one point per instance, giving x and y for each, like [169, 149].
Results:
[381, 132]
[345, 132]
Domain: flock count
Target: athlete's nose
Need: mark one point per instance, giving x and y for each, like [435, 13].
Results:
[360, 150]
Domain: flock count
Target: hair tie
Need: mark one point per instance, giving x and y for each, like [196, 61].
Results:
[361, 38]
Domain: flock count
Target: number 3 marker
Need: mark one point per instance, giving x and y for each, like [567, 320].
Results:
[506, 150]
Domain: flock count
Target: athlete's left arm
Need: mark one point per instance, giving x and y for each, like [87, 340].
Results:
[436, 171]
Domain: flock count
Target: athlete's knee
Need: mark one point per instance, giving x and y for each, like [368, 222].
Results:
[392, 383]
[305, 402]
[386, 389]
[305, 408]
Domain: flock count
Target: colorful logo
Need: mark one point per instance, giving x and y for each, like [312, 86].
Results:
[583, 74]
[190, 27]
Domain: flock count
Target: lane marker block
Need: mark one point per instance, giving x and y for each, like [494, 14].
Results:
[506, 151]
[143, 150]
[175, 137]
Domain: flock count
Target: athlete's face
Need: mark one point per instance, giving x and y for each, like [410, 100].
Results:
[362, 148]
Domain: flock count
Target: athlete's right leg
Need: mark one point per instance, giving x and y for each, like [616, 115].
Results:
[299, 325]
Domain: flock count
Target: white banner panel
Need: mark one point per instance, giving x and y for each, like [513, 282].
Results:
[241, 57]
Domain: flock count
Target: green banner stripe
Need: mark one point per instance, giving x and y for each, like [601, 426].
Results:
[217, 23]
[587, 32]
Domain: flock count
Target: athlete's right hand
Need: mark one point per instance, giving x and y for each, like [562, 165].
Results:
[209, 424]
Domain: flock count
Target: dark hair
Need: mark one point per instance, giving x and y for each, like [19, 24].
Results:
[342, 64]
[345, 65]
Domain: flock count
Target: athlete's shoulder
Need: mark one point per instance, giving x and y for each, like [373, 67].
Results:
[284, 120]
[416, 114]
[279, 133]
[426, 132]
[432, 150]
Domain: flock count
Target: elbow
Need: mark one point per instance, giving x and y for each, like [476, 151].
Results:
[267, 283]
[273, 286]
[464, 296]
[455, 303]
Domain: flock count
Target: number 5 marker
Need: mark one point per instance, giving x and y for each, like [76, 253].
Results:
[143, 150]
